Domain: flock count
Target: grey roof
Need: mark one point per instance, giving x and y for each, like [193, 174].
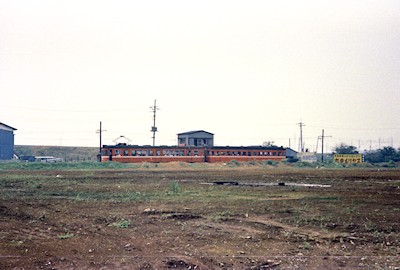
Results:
[7, 126]
[194, 131]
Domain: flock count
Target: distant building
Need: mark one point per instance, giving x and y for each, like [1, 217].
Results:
[6, 142]
[196, 138]
[27, 158]
[290, 153]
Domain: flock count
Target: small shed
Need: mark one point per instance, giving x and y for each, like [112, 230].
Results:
[196, 138]
[6, 142]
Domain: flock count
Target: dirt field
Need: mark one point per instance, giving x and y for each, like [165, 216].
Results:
[176, 217]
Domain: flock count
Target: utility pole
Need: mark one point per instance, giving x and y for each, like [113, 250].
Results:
[154, 128]
[301, 148]
[322, 148]
[100, 133]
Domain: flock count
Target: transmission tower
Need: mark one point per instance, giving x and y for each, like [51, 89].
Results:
[154, 128]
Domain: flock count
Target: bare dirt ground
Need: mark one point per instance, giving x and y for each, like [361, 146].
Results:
[174, 217]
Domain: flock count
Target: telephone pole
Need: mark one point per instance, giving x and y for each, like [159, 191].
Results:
[154, 128]
[100, 133]
[301, 148]
[322, 149]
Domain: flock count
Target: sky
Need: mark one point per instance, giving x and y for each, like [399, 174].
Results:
[247, 71]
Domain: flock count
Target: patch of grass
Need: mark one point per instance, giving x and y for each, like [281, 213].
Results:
[116, 197]
[174, 188]
[270, 162]
[370, 226]
[221, 216]
[321, 198]
[304, 164]
[124, 223]
[65, 236]
[306, 246]
[253, 163]
[17, 165]
[234, 163]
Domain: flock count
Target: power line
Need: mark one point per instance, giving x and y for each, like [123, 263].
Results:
[67, 110]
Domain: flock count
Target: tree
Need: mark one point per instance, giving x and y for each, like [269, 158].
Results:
[345, 149]
[383, 155]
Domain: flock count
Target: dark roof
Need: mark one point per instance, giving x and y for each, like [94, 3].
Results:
[251, 147]
[231, 148]
[194, 131]
[2, 124]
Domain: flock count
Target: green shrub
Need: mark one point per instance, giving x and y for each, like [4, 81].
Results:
[174, 188]
[390, 164]
[270, 162]
[292, 160]
[234, 163]
[253, 163]
[306, 164]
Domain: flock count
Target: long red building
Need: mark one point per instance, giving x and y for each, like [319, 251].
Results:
[134, 153]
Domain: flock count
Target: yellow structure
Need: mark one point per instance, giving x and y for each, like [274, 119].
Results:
[348, 158]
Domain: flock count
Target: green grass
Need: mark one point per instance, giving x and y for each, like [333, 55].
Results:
[124, 223]
[174, 188]
[65, 236]
[94, 165]
[89, 165]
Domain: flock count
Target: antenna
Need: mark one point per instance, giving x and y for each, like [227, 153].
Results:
[122, 137]
[154, 128]
[301, 145]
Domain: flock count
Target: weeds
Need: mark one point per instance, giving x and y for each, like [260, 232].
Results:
[124, 223]
[65, 165]
[174, 188]
[306, 246]
[271, 162]
[221, 216]
[370, 226]
[65, 236]
[234, 163]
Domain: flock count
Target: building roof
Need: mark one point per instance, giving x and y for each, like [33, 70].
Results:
[194, 131]
[4, 126]
[231, 148]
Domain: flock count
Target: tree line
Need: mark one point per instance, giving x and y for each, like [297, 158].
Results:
[385, 154]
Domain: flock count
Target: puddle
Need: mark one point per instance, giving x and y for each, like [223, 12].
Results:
[235, 183]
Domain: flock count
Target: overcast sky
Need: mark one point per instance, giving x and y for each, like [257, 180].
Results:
[247, 71]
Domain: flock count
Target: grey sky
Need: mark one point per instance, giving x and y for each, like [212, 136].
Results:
[247, 71]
